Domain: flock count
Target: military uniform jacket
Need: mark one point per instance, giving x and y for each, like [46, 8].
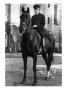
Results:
[38, 20]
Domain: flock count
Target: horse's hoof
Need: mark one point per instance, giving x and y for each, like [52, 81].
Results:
[47, 78]
[34, 83]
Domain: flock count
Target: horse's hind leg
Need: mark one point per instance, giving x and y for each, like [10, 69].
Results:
[25, 68]
[44, 55]
[49, 62]
[34, 68]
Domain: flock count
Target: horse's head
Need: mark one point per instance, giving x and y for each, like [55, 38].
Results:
[25, 22]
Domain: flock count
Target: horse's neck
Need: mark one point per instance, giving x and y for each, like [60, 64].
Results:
[29, 22]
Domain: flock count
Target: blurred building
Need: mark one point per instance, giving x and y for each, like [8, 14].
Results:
[53, 18]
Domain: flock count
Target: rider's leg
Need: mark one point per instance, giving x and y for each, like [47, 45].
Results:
[41, 43]
[41, 46]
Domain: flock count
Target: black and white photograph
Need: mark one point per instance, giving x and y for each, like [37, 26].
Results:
[33, 44]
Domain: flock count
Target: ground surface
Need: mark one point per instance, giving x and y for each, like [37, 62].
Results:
[14, 71]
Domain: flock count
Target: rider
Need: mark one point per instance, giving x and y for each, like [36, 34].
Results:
[38, 22]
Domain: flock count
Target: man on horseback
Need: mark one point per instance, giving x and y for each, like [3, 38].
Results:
[31, 40]
[38, 22]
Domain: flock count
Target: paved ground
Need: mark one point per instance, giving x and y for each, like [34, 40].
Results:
[14, 71]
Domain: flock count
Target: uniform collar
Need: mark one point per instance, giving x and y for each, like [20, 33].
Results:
[37, 14]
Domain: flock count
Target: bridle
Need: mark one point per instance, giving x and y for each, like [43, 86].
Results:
[25, 25]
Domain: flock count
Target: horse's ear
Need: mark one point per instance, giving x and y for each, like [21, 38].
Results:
[28, 10]
[22, 9]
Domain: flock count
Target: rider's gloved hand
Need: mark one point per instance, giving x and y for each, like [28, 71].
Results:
[34, 26]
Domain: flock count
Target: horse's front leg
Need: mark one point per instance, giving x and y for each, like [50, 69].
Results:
[25, 68]
[34, 68]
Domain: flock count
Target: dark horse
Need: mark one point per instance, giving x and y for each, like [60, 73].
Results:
[30, 46]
